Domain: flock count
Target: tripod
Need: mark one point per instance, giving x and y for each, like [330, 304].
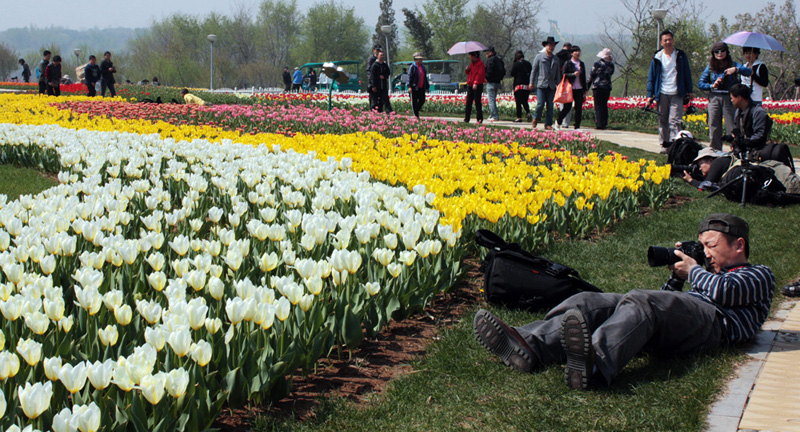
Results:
[747, 157]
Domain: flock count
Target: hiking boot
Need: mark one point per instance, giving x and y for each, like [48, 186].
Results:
[503, 341]
[577, 343]
[791, 290]
[548, 128]
[534, 123]
[529, 117]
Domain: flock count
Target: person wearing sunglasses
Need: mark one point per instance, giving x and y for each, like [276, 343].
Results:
[717, 79]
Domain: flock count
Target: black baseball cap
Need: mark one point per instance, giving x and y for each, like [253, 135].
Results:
[728, 224]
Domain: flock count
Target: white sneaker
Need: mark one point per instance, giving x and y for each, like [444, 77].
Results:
[557, 126]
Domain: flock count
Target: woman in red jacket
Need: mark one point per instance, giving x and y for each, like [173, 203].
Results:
[476, 76]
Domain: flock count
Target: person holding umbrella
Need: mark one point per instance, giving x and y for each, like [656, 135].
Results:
[759, 79]
[476, 77]
[417, 83]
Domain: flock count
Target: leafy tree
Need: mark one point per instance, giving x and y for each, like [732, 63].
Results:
[419, 31]
[386, 18]
[449, 21]
[279, 23]
[331, 31]
[8, 62]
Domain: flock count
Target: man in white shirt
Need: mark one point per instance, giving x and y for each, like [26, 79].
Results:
[668, 82]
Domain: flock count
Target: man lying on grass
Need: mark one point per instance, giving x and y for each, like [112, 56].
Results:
[597, 334]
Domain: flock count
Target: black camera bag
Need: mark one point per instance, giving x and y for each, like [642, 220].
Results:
[519, 279]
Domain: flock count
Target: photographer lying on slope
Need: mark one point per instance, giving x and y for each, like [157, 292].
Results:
[597, 334]
[751, 131]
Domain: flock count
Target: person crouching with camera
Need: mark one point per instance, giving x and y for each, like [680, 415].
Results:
[751, 129]
[597, 334]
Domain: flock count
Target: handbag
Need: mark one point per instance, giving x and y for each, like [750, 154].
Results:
[518, 279]
[563, 91]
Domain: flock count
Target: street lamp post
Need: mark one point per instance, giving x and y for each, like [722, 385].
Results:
[386, 29]
[659, 15]
[77, 52]
[211, 39]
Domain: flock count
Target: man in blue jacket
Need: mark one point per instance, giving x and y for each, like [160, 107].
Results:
[668, 81]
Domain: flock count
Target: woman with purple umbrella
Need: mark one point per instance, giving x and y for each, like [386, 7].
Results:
[760, 77]
[717, 79]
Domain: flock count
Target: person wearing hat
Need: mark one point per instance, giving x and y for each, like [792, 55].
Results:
[669, 79]
[600, 80]
[708, 161]
[717, 79]
[545, 75]
[417, 83]
[597, 334]
[297, 80]
[495, 71]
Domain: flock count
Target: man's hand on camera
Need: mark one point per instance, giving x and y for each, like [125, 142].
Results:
[682, 267]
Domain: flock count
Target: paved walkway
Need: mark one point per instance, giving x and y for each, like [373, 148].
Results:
[764, 393]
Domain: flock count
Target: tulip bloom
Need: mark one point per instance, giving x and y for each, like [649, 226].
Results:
[176, 382]
[35, 399]
[73, 377]
[152, 387]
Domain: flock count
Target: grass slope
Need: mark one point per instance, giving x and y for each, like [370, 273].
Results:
[16, 181]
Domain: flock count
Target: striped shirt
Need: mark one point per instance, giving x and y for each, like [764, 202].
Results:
[741, 294]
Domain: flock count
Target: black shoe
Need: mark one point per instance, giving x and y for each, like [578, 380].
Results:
[503, 341]
[519, 120]
[530, 118]
[791, 290]
[577, 343]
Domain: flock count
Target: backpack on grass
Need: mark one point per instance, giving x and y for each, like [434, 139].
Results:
[519, 279]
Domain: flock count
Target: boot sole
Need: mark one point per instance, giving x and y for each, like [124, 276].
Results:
[492, 336]
[576, 340]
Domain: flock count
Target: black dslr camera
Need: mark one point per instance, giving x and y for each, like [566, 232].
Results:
[662, 256]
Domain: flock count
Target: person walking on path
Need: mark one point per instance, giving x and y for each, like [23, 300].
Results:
[717, 78]
[40, 71]
[417, 83]
[476, 77]
[495, 71]
[597, 334]
[669, 79]
[297, 80]
[287, 79]
[521, 73]
[575, 71]
[563, 57]
[107, 71]
[759, 79]
[545, 74]
[371, 61]
[312, 80]
[26, 71]
[53, 76]
[600, 78]
[379, 82]
[92, 76]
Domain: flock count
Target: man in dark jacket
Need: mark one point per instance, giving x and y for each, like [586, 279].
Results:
[371, 61]
[53, 76]
[26, 71]
[92, 75]
[565, 54]
[521, 73]
[379, 83]
[287, 79]
[417, 83]
[40, 71]
[107, 71]
[752, 125]
[495, 71]
[668, 81]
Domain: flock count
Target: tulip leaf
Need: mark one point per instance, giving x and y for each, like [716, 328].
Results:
[138, 415]
[351, 330]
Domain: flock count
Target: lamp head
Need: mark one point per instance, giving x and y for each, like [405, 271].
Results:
[212, 38]
[659, 14]
[386, 29]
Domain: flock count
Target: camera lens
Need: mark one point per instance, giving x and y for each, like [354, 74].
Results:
[661, 256]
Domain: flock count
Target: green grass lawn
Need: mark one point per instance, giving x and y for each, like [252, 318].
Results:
[16, 181]
[461, 386]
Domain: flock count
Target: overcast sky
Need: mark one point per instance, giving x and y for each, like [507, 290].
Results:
[574, 17]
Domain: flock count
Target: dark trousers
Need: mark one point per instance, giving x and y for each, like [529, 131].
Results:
[667, 322]
[417, 100]
[107, 85]
[474, 95]
[287, 86]
[90, 89]
[577, 103]
[380, 101]
[521, 98]
[601, 107]
[297, 88]
[43, 87]
[54, 90]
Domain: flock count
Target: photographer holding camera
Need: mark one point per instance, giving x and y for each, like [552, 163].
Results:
[597, 334]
